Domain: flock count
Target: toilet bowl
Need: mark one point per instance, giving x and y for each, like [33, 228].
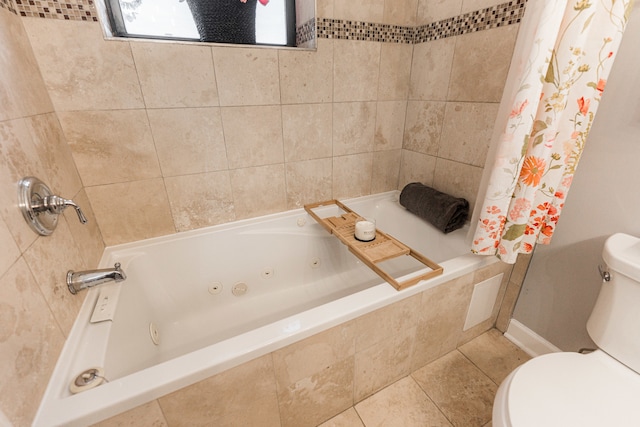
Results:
[601, 388]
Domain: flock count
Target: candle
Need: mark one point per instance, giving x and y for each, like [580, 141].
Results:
[365, 230]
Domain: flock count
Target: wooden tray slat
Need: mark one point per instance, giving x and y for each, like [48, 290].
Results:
[382, 248]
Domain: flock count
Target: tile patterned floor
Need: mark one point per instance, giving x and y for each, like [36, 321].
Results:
[455, 390]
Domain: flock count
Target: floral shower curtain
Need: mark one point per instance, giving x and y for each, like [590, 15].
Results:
[563, 76]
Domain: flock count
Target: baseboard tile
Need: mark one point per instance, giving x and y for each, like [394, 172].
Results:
[530, 342]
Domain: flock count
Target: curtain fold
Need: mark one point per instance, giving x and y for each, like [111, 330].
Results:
[562, 77]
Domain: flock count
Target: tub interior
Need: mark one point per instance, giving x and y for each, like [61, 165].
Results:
[288, 263]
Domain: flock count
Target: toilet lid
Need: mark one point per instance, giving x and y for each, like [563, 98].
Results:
[572, 389]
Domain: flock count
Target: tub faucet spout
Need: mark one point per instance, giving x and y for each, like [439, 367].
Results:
[77, 281]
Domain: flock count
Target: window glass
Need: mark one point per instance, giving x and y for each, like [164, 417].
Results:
[174, 19]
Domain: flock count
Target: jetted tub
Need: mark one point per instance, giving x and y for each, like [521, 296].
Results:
[197, 303]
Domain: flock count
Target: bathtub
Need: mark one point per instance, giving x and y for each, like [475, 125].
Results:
[197, 303]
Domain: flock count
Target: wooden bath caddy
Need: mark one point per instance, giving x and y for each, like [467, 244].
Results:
[382, 248]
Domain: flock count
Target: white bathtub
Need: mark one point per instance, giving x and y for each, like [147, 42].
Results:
[299, 279]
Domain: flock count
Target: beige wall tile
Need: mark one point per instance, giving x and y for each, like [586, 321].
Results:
[10, 252]
[395, 71]
[325, 8]
[200, 200]
[307, 76]
[247, 76]
[457, 179]
[444, 309]
[305, 358]
[466, 132]
[175, 75]
[188, 140]
[148, 414]
[400, 12]
[423, 126]
[416, 167]
[22, 90]
[49, 259]
[359, 10]
[386, 165]
[305, 10]
[382, 324]
[402, 403]
[31, 342]
[481, 63]
[259, 190]
[431, 69]
[308, 181]
[253, 135]
[62, 175]
[131, 211]
[307, 131]
[19, 158]
[508, 304]
[355, 70]
[352, 175]
[111, 146]
[462, 392]
[81, 70]
[390, 118]
[314, 399]
[354, 125]
[383, 363]
[242, 396]
[348, 418]
[87, 237]
[473, 5]
[435, 10]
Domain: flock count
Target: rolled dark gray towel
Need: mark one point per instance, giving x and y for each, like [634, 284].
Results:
[445, 212]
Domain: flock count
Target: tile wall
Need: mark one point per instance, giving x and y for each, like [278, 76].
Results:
[154, 138]
[36, 310]
[186, 136]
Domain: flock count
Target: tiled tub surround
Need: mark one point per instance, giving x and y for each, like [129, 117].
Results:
[308, 382]
[61, 89]
[315, 283]
[263, 130]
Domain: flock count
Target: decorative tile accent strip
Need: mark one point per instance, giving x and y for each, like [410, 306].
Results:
[492, 17]
[8, 4]
[365, 31]
[71, 10]
[484, 19]
[305, 32]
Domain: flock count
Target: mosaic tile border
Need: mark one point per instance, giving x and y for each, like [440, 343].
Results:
[70, 10]
[305, 32]
[492, 17]
[365, 31]
[7, 4]
[497, 16]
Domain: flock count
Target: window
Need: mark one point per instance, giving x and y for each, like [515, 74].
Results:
[266, 22]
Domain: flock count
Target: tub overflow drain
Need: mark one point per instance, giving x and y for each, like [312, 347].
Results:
[86, 380]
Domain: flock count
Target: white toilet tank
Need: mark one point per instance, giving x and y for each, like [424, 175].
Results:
[614, 324]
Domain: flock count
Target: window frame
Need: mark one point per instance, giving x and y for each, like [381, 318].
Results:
[118, 27]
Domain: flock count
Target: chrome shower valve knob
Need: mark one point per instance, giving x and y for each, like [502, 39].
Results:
[40, 207]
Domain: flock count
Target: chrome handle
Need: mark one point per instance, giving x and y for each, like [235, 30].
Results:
[606, 276]
[40, 207]
[57, 204]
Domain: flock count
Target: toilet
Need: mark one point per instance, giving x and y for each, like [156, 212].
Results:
[601, 388]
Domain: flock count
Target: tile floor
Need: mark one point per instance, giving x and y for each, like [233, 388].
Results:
[454, 390]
